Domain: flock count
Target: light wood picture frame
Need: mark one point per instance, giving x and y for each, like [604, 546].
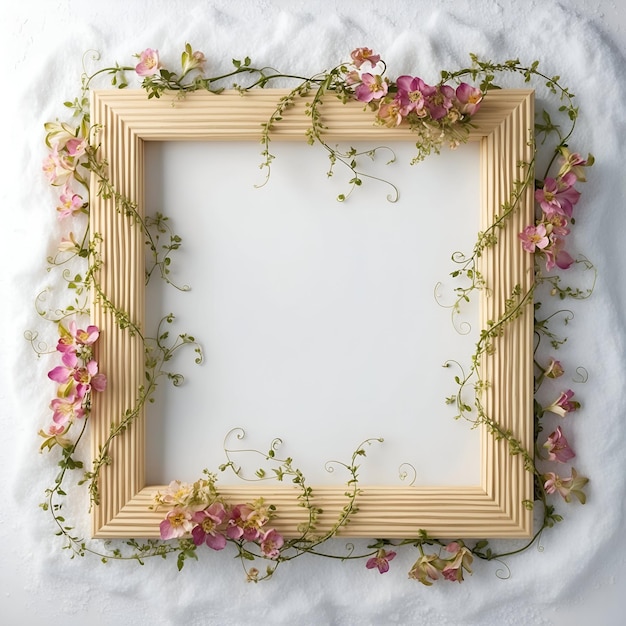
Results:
[495, 507]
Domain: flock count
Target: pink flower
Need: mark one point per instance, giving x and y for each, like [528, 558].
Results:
[73, 337]
[557, 257]
[63, 373]
[563, 404]
[426, 568]
[148, 63]
[558, 448]
[55, 430]
[440, 102]
[554, 369]
[558, 195]
[533, 237]
[176, 523]
[66, 410]
[469, 98]
[381, 560]
[71, 203]
[352, 78]
[390, 113]
[563, 259]
[557, 225]
[57, 168]
[271, 543]
[372, 87]
[412, 94]
[88, 378]
[566, 487]
[84, 337]
[243, 523]
[208, 522]
[66, 343]
[361, 55]
[462, 560]
[76, 147]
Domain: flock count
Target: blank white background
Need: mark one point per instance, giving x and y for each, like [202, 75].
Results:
[318, 318]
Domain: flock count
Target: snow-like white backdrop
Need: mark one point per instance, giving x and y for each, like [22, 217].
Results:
[580, 568]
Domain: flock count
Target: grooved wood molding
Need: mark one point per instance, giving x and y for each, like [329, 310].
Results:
[493, 508]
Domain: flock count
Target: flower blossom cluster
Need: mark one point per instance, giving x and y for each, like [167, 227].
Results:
[557, 447]
[63, 169]
[438, 113]
[150, 62]
[61, 166]
[77, 376]
[196, 509]
[430, 567]
[556, 200]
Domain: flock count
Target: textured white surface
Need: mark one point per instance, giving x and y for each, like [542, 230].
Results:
[580, 571]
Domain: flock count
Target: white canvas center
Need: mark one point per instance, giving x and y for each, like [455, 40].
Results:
[318, 319]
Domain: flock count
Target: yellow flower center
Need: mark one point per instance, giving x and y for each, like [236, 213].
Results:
[180, 494]
[208, 525]
[177, 520]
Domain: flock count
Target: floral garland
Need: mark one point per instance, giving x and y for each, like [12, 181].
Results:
[439, 115]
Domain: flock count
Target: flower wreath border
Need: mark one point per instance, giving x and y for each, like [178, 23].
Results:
[439, 115]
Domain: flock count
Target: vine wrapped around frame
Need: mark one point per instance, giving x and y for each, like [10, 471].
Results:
[438, 115]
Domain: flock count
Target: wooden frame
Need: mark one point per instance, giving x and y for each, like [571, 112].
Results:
[493, 508]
